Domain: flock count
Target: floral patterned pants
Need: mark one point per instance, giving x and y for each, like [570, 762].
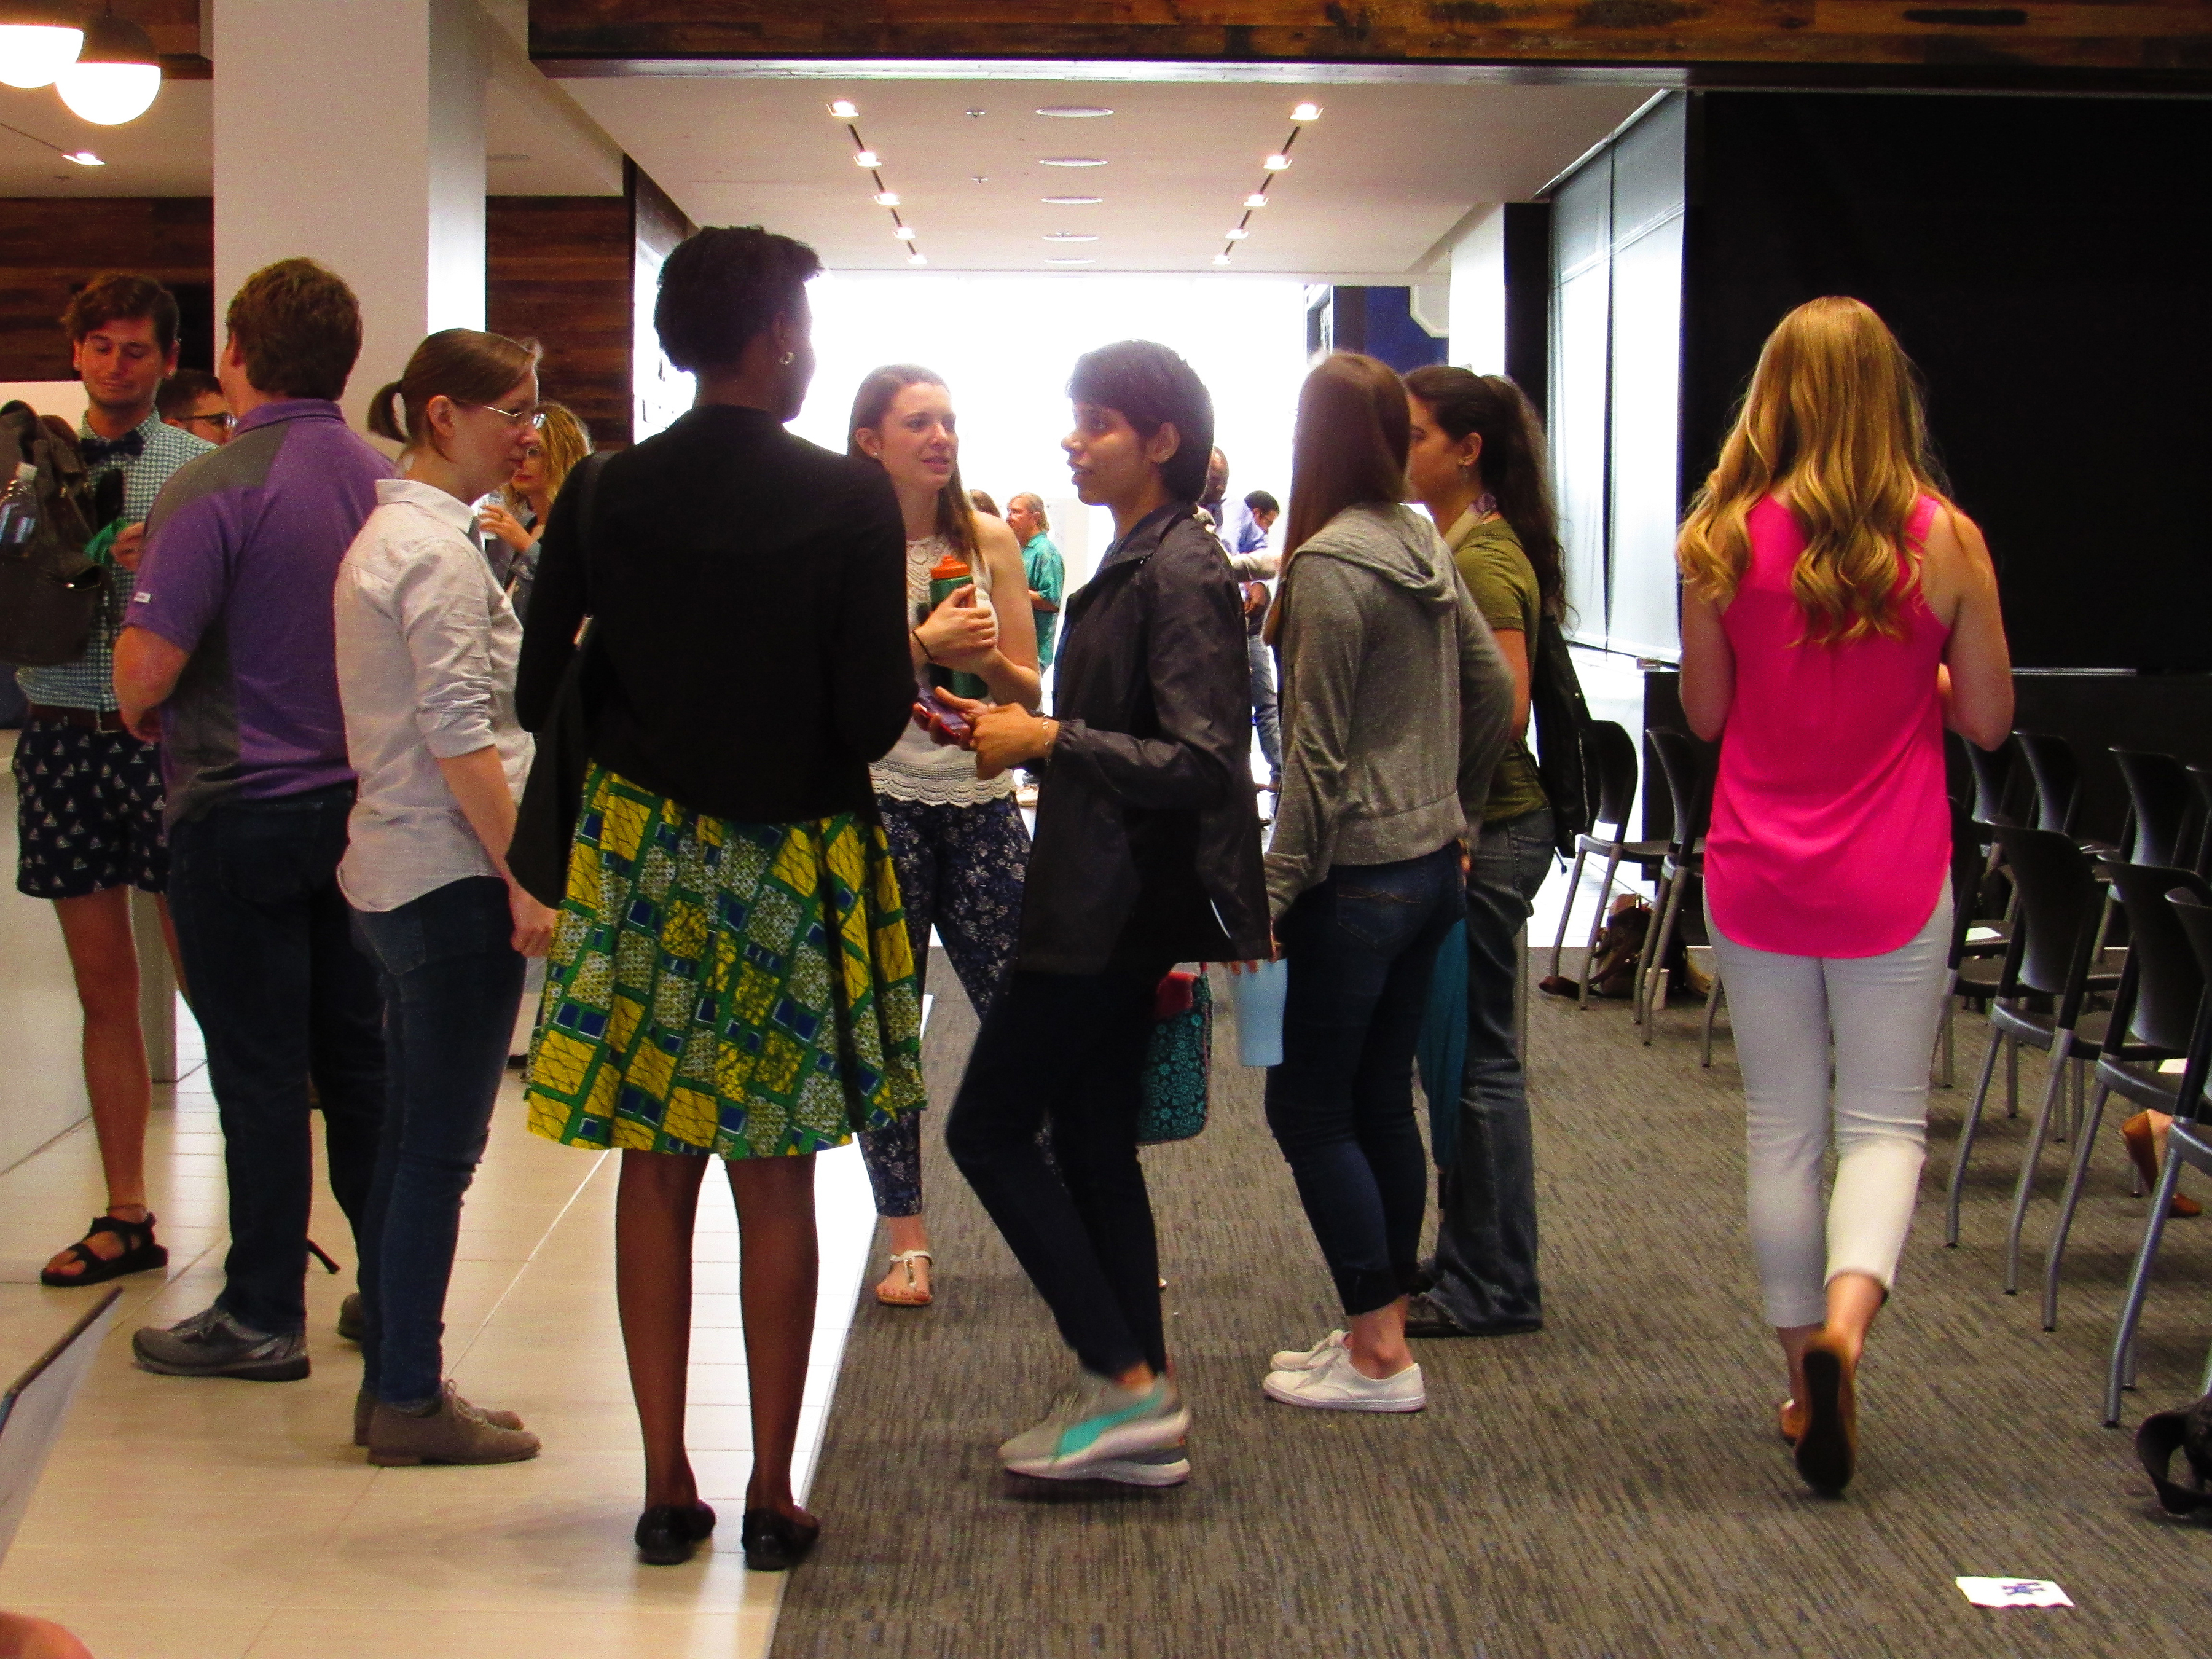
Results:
[960, 871]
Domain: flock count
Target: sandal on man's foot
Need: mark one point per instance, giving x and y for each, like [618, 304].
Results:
[140, 1253]
[914, 1293]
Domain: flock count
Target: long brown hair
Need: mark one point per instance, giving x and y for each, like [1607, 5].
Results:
[956, 514]
[464, 364]
[1461, 403]
[1350, 451]
[1834, 409]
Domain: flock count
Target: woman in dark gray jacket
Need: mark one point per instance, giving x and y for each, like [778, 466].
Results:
[1364, 875]
[1147, 854]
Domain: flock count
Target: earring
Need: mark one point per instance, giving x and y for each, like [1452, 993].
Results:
[787, 359]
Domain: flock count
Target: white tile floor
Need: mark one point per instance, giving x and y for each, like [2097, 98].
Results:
[218, 1520]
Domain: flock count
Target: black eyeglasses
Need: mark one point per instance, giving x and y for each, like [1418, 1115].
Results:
[222, 421]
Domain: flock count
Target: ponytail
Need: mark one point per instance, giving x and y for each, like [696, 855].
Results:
[383, 419]
[463, 364]
[1513, 470]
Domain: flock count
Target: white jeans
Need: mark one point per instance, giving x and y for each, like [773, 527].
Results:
[1882, 1013]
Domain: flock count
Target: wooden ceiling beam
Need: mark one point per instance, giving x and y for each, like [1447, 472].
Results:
[2128, 43]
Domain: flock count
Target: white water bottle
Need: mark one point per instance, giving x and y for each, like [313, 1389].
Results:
[19, 507]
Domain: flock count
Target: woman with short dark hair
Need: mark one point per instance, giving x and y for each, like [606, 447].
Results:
[730, 974]
[1395, 707]
[1147, 854]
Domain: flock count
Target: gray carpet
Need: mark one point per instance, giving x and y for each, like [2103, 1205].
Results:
[1611, 1486]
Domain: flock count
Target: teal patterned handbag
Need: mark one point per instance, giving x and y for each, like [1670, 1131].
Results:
[1177, 1057]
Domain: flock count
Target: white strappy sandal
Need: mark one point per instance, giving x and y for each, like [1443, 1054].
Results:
[915, 1295]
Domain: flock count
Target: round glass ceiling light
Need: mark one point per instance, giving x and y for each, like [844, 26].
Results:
[1278, 162]
[1074, 112]
[845, 110]
[116, 75]
[1306, 113]
[1258, 198]
[867, 158]
[37, 42]
[1071, 160]
[887, 199]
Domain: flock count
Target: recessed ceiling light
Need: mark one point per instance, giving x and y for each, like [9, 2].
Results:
[1069, 236]
[1258, 198]
[1221, 258]
[845, 110]
[867, 158]
[1306, 113]
[1278, 162]
[1074, 112]
[83, 158]
[1238, 234]
[1071, 201]
[917, 260]
[887, 199]
[904, 233]
[1071, 160]
[976, 114]
[1070, 262]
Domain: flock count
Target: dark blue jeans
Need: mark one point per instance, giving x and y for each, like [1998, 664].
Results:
[1361, 947]
[284, 996]
[1486, 1238]
[1068, 1050]
[452, 984]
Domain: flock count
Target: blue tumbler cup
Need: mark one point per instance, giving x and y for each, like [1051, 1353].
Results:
[1257, 995]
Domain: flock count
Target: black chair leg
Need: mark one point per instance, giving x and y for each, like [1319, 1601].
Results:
[2120, 1373]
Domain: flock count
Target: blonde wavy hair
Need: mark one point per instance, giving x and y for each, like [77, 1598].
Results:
[1834, 409]
[567, 441]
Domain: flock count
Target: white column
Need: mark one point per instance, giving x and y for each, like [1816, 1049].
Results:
[1478, 292]
[352, 132]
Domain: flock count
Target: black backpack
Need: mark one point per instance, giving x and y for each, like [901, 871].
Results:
[1566, 760]
[50, 592]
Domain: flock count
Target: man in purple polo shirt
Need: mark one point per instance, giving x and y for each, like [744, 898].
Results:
[228, 656]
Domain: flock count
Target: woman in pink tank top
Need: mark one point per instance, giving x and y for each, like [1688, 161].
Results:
[1837, 613]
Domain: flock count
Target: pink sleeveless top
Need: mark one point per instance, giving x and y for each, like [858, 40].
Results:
[1830, 830]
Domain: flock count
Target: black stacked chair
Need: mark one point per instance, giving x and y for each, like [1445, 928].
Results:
[2154, 1014]
[1690, 783]
[2057, 771]
[2041, 998]
[2200, 854]
[1978, 944]
[2189, 1141]
[1617, 770]
[2163, 807]
[2003, 793]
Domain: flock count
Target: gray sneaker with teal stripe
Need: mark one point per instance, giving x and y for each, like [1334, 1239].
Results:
[1102, 1432]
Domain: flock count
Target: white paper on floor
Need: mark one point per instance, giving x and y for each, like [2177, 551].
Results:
[2014, 1592]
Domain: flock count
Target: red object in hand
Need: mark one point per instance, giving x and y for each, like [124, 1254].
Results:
[1174, 995]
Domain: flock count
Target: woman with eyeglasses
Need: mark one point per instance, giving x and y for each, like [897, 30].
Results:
[517, 517]
[427, 649]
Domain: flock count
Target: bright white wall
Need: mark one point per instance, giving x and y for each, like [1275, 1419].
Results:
[1478, 295]
[1005, 345]
[64, 398]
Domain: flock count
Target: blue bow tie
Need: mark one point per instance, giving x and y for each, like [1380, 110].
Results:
[129, 447]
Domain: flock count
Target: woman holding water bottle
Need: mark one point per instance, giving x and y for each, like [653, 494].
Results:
[1365, 872]
[957, 840]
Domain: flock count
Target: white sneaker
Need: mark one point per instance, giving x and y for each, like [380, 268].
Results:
[1293, 1359]
[1336, 1385]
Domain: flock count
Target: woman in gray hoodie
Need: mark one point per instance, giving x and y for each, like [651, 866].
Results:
[1395, 707]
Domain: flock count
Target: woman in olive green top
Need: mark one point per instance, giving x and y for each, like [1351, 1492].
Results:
[1477, 464]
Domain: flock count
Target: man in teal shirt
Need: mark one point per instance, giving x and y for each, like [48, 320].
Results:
[1041, 558]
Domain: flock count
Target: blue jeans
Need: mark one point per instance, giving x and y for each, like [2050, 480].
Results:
[452, 983]
[284, 996]
[1267, 714]
[1486, 1239]
[1361, 947]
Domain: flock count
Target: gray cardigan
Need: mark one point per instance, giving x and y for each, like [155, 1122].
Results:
[1395, 703]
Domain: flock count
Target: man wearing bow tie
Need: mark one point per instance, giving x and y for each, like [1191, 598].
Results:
[88, 794]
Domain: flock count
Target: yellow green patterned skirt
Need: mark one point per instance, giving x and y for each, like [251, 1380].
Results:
[744, 989]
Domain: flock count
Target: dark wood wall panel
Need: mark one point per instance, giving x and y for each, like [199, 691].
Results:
[50, 245]
[1788, 40]
[557, 269]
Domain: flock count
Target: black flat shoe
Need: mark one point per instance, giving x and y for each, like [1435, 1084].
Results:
[668, 1533]
[773, 1541]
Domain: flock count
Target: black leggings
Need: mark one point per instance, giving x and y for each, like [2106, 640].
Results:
[1068, 1049]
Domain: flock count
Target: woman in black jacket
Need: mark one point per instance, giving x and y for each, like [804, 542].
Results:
[1147, 854]
[730, 972]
